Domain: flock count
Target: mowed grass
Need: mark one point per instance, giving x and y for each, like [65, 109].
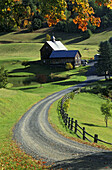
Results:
[16, 51]
[88, 48]
[85, 108]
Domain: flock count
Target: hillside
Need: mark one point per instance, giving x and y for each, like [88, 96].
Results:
[88, 47]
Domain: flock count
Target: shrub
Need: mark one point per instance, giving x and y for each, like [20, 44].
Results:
[3, 77]
[25, 63]
[66, 105]
[26, 82]
[48, 37]
[69, 66]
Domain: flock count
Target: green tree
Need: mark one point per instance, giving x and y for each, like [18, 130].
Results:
[106, 111]
[3, 77]
[105, 59]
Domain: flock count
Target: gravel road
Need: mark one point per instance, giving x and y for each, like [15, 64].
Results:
[36, 137]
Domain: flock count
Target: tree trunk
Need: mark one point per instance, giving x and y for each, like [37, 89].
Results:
[106, 120]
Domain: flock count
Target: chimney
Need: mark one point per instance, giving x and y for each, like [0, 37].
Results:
[53, 39]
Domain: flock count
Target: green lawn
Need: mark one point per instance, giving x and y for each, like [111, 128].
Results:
[85, 108]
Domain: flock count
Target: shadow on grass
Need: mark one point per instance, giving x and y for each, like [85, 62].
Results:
[40, 37]
[66, 83]
[28, 88]
[37, 67]
[4, 33]
[87, 162]
[79, 39]
[22, 32]
[90, 124]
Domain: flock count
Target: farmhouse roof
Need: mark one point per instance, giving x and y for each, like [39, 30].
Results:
[64, 54]
[56, 45]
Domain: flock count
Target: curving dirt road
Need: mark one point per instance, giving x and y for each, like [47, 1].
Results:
[37, 138]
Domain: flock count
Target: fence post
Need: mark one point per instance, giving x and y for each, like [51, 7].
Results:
[71, 128]
[75, 126]
[68, 122]
[65, 120]
[95, 138]
[83, 133]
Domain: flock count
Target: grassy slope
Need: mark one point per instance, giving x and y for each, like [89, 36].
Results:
[85, 108]
[13, 104]
[11, 55]
[88, 48]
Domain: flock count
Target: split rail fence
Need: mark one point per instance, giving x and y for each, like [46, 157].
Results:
[73, 125]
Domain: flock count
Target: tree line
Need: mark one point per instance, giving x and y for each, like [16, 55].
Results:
[33, 14]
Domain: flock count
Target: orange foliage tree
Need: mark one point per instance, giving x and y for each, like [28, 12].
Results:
[54, 11]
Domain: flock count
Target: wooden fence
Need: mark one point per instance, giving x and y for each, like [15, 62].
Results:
[73, 125]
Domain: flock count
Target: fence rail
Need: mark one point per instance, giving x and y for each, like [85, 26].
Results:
[74, 126]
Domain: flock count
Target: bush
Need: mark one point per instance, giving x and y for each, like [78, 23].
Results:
[48, 37]
[3, 77]
[69, 66]
[25, 63]
[27, 82]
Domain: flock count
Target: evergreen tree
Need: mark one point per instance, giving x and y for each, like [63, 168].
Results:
[105, 59]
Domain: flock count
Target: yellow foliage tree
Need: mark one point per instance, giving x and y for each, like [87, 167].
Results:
[54, 11]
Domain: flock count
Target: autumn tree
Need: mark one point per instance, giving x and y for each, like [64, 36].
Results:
[54, 11]
[13, 12]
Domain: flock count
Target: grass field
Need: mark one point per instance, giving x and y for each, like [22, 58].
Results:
[88, 47]
[85, 108]
[18, 98]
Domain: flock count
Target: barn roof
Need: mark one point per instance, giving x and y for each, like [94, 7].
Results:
[64, 54]
[56, 45]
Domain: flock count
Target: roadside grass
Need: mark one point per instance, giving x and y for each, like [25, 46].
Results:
[15, 101]
[13, 104]
[85, 108]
